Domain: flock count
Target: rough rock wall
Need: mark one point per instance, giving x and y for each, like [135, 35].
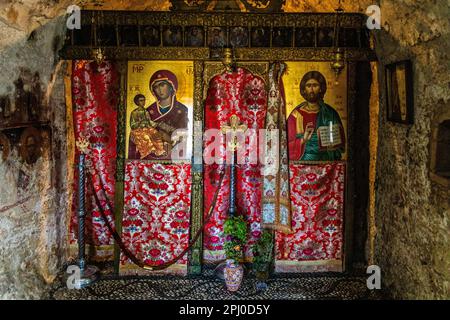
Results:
[33, 198]
[412, 244]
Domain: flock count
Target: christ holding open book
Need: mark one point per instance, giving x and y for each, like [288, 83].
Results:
[315, 131]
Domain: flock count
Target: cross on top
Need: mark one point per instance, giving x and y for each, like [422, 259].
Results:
[234, 127]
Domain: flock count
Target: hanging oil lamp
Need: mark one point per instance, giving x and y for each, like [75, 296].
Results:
[228, 60]
[97, 54]
[338, 63]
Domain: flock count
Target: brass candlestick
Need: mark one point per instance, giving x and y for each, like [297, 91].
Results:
[228, 59]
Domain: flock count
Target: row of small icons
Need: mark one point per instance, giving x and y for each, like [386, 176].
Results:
[373, 21]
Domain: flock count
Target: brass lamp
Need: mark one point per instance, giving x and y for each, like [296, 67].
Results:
[228, 59]
[97, 54]
[338, 63]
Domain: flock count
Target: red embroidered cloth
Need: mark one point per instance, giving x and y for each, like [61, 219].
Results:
[156, 216]
[94, 98]
[243, 94]
[317, 202]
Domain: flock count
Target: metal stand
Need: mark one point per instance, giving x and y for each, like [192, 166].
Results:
[232, 211]
[234, 126]
[219, 270]
[88, 273]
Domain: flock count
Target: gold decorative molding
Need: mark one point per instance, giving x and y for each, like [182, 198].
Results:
[195, 255]
[349, 20]
[241, 54]
[198, 86]
[140, 53]
[300, 54]
[79, 42]
[122, 68]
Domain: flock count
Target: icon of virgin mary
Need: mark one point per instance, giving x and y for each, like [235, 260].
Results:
[166, 115]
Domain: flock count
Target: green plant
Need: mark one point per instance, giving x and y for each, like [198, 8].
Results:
[236, 232]
[262, 252]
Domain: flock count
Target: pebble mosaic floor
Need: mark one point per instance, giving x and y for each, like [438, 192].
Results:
[208, 286]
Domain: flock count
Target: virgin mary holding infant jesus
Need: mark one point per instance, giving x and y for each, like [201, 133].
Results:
[152, 128]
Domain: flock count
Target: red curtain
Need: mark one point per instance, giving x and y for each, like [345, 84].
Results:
[94, 98]
[317, 202]
[156, 215]
[242, 94]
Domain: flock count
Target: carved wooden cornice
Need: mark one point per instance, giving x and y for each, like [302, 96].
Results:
[348, 20]
[127, 41]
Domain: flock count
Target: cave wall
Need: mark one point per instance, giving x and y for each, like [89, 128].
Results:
[33, 197]
[412, 243]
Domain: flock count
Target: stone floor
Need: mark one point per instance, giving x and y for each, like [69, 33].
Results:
[208, 286]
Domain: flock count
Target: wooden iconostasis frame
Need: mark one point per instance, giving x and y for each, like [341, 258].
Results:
[206, 62]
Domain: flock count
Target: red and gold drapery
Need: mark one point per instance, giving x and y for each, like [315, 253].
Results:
[243, 94]
[276, 206]
[317, 202]
[94, 101]
[156, 215]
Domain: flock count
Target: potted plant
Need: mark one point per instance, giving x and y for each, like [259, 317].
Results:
[262, 255]
[236, 231]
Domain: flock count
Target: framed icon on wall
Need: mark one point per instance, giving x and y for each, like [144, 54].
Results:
[399, 92]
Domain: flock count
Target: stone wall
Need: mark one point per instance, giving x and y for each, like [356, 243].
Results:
[33, 198]
[412, 243]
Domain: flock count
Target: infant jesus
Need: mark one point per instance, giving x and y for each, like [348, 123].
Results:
[148, 140]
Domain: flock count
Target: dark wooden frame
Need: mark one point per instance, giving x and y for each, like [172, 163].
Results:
[79, 43]
[409, 97]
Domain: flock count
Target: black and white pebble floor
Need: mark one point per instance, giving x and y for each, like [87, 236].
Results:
[336, 286]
